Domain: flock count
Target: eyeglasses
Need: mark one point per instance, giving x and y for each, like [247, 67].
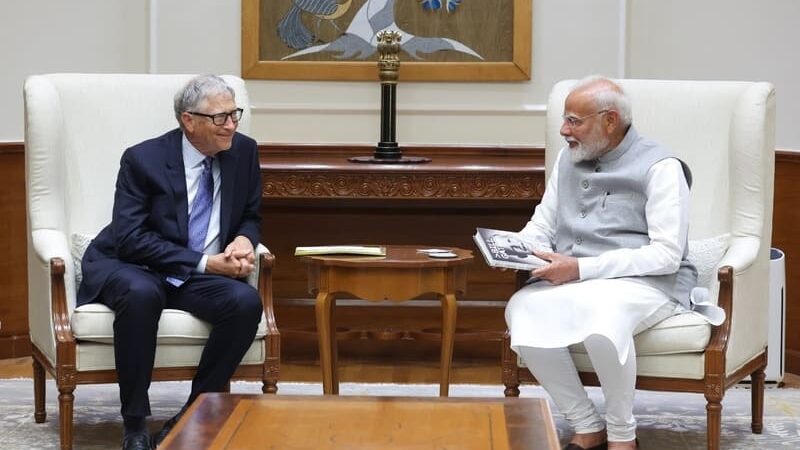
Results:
[574, 122]
[220, 119]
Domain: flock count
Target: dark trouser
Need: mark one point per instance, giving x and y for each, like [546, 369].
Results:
[137, 297]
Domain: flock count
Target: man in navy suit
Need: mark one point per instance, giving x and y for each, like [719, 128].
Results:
[184, 226]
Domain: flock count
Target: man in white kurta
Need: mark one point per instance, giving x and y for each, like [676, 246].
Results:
[613, 224]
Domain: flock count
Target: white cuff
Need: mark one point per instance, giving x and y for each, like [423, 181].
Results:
[201, 266]
[587, 268]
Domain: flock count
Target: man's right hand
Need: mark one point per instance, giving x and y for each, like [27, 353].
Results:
[228, 266]
[562, 269]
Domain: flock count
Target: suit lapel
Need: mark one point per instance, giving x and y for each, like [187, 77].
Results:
[227, 166]
[176, 176]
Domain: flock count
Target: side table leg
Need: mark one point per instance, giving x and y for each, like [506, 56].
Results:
[334, 346]
[327, 342]
[449, 312]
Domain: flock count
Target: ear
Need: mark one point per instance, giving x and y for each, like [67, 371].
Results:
[612, 120]
[188, 121]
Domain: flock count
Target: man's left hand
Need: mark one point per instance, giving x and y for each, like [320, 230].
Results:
[241, 249]
[562, 269]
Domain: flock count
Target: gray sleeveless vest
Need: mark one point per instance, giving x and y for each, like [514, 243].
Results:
[601, 207]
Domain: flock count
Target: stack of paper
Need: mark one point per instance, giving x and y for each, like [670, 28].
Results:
[340, 250]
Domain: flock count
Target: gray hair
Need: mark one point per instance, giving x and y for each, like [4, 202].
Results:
[607, 94]
[197, 90]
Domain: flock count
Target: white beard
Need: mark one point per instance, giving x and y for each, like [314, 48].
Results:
[586, 152]
[593, 149]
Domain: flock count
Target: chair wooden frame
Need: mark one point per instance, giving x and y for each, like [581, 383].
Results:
[68, 377]
[713, 385]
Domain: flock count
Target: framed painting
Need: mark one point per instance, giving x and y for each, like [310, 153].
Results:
[442, 40]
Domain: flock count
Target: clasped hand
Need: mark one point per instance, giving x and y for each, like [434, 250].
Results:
[562, 269]
[237, 261]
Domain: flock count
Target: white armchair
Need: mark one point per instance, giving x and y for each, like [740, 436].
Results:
[725, 132]
[76, 128]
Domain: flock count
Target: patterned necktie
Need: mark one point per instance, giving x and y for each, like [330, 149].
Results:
[201, 208]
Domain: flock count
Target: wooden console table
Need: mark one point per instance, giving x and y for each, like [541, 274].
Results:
[313, 196]
[403, 274]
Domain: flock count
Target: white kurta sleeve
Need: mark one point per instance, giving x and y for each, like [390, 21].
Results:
[667, 213]
[541, 227]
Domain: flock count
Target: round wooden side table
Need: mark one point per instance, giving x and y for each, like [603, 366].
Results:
[403, 274]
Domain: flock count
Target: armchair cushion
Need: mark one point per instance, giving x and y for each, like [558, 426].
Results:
[95, 322]
[93, 356]
[679, 334]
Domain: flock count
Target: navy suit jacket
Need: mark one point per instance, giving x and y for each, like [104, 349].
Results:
[149, 226]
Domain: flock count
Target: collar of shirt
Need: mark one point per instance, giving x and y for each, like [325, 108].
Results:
[191, 156]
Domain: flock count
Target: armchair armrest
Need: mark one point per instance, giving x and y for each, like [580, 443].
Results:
[65, 341]
[743, 276]
[741, 253]
[265, 260]
[51, 290]
[261, 278]
[261, 249]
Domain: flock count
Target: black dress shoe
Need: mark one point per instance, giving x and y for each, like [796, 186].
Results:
[157, 438]
[136, 441]
[571, 446]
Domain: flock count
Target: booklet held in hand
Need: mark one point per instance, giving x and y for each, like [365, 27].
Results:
[506, 249]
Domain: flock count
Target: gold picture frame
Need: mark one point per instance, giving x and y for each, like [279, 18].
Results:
[262, 57]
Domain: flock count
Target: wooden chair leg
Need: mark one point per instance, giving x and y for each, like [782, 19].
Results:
[713, 419]
[271, 374]
[39, 413]
[65, 403]
[757, 400]
[272, 364]
[510, 375]
[511, 390]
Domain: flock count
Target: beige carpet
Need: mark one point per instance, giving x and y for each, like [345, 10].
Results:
[666, 421]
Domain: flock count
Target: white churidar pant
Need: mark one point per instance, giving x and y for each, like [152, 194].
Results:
[603, 314]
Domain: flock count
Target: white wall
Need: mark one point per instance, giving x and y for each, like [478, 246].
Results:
[723, 40]
[39, 36]
[195, 36]
[571, 38]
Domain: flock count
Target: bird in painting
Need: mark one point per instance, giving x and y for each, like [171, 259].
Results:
[294, 33]
[360, 39]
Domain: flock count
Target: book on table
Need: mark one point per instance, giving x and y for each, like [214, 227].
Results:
[506, 249]
[366, 250]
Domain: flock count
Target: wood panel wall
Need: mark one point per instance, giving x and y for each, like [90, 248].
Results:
[785, 236]
[14, 340]
[367, 220]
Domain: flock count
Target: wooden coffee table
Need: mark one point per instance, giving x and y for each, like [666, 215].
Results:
[403, 274]
[249, 421]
